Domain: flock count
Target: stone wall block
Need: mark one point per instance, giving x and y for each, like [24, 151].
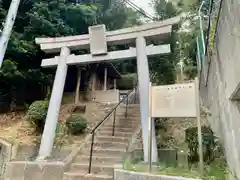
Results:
[33, 172]
[53, 172]
[120, 174]
[14, 171]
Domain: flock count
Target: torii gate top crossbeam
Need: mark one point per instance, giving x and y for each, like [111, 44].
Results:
[156, 30]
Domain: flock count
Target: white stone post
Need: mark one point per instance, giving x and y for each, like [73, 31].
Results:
[54, 106]
[105, 79]
[143, 82]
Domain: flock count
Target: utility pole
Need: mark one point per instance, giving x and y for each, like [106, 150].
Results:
[8, 25]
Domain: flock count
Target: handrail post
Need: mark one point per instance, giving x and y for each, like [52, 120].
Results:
[114, 123]
[91, 153]
[126, 107]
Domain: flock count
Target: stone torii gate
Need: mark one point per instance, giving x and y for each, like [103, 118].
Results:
[97, 40]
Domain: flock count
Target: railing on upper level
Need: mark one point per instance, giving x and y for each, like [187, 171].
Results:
[113, 111]
[210, 40]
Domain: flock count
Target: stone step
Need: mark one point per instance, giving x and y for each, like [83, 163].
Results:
[132, 109]
[109, 128]
[117, 152]
[130, 126]
[111, 139]
[129, 119]
[123, 108]
[98, 177]
[79, 175]
[95, 169]
[129, 111]
[122, 124]
[132, 106]
[101, 154]
[123, 120]
[116, 133]
[108, 144]
[126, 123]
[129, 115]
[85, 176]
[99, 159]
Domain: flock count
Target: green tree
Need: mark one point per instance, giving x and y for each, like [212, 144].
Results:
[133, 18]
[165, 9]
[45, 18]
[163, 68]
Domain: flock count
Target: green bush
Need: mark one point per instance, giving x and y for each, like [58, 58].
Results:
[127, 82]
[209, 142]
[190, 72]
[37, 113]
[76, 124]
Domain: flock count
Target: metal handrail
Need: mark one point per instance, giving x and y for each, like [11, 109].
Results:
[214, 39]
[209, 25]
[114, 123]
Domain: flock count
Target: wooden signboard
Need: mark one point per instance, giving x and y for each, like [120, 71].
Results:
[178, 100]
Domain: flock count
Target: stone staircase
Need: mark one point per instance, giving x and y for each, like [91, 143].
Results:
[108, 150]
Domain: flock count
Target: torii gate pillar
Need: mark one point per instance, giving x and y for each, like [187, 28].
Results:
[143, 81]
[54, 106]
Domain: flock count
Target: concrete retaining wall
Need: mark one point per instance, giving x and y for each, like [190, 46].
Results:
[42, 170]
[223, 77]
[29, 153]
[34, 171]
[120, 174]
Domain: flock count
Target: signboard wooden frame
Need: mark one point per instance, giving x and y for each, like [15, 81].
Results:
[177, 92]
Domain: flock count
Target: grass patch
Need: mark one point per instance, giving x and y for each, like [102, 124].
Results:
[160, 170]
[178, 171]
[215, 171]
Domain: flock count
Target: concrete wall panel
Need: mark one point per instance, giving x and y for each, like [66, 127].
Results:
[224, 75]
